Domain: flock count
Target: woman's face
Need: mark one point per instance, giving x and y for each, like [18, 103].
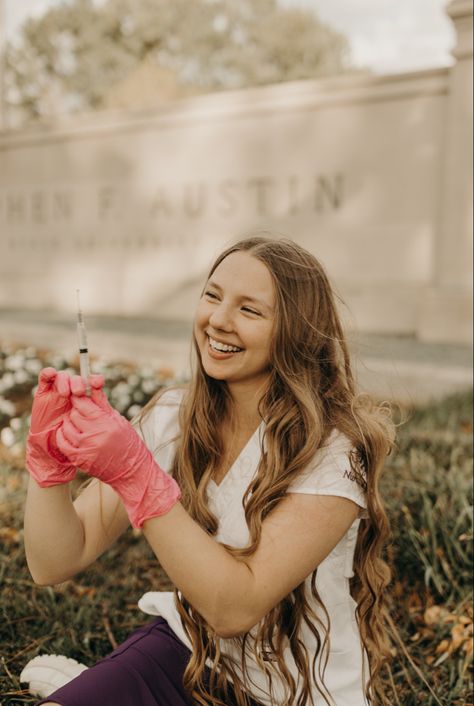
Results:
[234, 321]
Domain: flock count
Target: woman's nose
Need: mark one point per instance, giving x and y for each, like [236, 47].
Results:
[221, 318]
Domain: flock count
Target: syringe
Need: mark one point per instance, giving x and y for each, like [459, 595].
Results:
[83, 349]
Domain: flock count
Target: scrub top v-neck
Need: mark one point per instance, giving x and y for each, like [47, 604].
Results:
[328, 474]
[225, 500]
[242, 459]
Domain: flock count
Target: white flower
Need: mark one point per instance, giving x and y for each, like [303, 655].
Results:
[7, 437]
[7, 381]
[57, 361]
[122, 402]
[7, 407]
[149, 386]
[16, 423]
[21, 376]
[15, 362]
[133, 380]
[121, 388]
[33, 366]
[133, 411]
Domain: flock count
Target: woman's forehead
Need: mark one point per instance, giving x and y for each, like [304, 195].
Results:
[245, 275]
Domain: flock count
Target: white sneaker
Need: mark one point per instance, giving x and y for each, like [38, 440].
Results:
[46, 673]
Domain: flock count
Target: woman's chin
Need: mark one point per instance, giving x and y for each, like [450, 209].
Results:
[213, 371]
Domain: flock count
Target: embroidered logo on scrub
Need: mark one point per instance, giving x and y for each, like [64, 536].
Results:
[352, 476]
[356, 473]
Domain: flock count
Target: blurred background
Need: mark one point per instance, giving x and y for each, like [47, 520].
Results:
[138, 139]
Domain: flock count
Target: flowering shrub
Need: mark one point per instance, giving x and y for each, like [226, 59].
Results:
[128, 387]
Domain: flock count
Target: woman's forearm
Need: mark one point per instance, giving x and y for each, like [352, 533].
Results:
[209, 577]
[54, 535]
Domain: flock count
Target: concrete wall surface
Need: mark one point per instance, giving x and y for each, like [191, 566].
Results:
[372, 174]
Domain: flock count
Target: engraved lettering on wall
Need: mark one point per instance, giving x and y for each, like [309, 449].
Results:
[117, 215]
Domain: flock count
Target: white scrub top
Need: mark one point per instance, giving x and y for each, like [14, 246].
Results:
[329, 474]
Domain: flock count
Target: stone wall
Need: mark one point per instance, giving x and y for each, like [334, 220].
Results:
[372, 174]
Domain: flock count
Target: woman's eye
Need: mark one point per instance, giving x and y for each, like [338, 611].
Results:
[251, 311]
[211, 295]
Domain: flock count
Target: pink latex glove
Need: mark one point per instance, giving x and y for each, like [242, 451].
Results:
[52, 401]
[104, 444]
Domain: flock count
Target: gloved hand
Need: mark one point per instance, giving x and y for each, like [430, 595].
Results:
[52, 401]
[104, 444]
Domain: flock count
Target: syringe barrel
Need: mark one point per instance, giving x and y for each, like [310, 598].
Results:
[84, 367]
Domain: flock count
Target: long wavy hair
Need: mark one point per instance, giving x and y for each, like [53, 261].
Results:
[311, 392]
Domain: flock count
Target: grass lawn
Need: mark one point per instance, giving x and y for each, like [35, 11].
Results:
[428, 489]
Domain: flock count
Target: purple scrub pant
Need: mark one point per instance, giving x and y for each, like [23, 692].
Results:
[145, 670]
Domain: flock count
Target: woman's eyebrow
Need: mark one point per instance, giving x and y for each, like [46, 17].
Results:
[245, 297]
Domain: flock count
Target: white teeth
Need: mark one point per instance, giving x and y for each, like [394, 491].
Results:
[223, 347]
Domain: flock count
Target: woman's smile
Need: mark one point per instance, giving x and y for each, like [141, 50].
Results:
[222, 351]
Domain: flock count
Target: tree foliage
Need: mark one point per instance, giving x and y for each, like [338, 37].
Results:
[71, 56]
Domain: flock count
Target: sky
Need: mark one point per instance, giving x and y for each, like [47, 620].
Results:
[385, 36]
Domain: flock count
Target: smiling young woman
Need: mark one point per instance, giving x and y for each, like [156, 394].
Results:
[257, 488]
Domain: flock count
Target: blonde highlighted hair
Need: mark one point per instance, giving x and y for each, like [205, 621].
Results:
[311, 393]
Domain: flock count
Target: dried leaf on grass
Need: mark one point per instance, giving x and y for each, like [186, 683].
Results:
[10, 535]
[460, 635]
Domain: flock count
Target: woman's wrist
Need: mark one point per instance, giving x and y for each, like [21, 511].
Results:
[146, 492]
